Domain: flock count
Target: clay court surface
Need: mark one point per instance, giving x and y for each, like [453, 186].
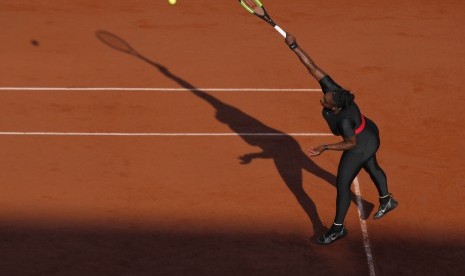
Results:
[86, 201]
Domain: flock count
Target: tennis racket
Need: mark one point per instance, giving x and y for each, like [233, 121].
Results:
[256, 7]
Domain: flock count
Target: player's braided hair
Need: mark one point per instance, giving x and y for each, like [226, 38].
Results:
[343, 98]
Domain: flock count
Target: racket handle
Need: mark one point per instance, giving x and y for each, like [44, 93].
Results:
[281, 31]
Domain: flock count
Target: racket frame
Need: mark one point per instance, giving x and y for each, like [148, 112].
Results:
[265, 17]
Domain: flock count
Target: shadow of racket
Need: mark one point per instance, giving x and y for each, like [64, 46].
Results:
[116, 43]
[119, 44]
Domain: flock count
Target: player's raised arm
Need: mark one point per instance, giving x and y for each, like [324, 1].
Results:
[314, 70]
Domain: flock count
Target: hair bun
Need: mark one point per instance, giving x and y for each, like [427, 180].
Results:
[348, 99]
[343, 98]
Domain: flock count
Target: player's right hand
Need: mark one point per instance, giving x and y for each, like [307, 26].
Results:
[290, 39]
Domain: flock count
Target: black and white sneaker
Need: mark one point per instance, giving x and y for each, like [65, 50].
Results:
[331, 236]
[386, 208]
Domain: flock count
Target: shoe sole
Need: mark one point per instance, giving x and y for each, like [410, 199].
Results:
[394, 207]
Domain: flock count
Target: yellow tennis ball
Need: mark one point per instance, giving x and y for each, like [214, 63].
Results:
[172, 2]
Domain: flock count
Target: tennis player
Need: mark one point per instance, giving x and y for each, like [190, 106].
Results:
[359, 145]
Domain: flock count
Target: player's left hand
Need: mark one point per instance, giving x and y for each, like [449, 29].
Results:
[316, 151]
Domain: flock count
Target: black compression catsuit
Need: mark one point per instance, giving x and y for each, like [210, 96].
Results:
[363, 155]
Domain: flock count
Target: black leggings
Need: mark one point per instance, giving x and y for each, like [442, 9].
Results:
[352, 161]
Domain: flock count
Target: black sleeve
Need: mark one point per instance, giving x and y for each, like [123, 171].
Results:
[327, 84]
[346, 128]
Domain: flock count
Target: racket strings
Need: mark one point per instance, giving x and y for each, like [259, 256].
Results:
[254, 6]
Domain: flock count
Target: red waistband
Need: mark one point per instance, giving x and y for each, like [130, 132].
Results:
[361, 127]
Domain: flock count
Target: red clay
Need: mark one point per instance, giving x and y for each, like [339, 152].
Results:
[185, 205]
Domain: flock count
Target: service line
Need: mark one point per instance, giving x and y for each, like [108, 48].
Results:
[19, 133]
[158, 89]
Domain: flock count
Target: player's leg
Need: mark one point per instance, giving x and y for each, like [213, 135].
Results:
[349, 166]
[377, 175]
[386, 201]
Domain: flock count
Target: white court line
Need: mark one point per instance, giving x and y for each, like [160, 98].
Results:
[11, 133]
[158, 89]
[363, 225]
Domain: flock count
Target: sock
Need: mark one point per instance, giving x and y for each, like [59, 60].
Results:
[336, 228]
[384, 199]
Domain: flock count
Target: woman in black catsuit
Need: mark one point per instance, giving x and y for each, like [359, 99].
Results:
[360, 144]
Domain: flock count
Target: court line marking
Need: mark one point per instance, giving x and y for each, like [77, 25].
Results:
[18, 133]
[363, 225]
[159, 89]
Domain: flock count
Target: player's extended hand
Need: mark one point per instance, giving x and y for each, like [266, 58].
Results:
[290, 39]
[317, 151]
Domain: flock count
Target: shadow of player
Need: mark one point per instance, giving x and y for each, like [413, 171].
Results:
[286, 153]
